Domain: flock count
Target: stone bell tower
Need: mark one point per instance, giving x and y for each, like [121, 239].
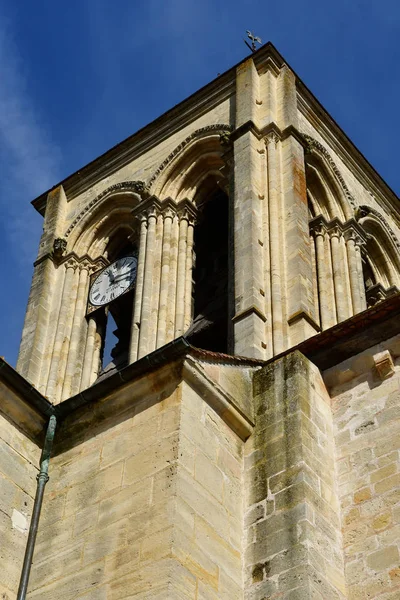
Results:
[241, 443]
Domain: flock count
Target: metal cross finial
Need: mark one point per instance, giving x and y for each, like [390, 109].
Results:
[254, 39]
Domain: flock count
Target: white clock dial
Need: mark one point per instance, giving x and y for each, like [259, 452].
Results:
[113, 281]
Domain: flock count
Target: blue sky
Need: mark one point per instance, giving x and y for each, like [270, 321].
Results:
[78, 77]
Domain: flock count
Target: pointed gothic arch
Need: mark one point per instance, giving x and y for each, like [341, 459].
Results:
[197, 158]
[382, 248]
[94, 229]
[327, 191]
[118, 197]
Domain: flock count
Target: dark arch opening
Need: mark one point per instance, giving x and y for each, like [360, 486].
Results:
[117, 317]
[209, 329]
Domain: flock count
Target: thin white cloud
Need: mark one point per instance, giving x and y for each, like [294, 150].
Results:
[28, 160]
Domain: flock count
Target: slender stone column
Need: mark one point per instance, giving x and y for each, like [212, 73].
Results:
[145, 329]
[363, 299]
[97, 350]
[338, 274]
[354, 258]
[325, 308]
[180, 287]
[61, 325]
[137, 308]
[164, 286]
[275, 243]
[88, 359]
[155, 288]
[189, 276]
[70, 372]
[315, 278]
[173, 269]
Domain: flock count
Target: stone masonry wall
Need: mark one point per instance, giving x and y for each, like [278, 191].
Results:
[294, 543]
[144, 504]
[366, 411]
[19, 458]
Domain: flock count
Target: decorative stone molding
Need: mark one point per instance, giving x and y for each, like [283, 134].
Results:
[168, 208]
[384, 364]
[364, 211]
[199, 133]
[318, 226]
[312, 145]
[272, 138]
[353, 231]
[136, 187]
[84, 262]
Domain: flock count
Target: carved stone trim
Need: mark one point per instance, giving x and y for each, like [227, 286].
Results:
[137, 187]
[364, 211]
[85, 262]
[314, 146]
[153, 206]
[199, 133]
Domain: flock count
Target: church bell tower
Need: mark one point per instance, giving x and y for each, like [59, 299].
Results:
[246, 258]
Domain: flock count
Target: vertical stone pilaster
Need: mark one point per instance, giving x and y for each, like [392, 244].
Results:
[247, 85]
[287, 113]
[37, 318]
[249, 318]
[275, 243]
[300, 304]
[293, 529]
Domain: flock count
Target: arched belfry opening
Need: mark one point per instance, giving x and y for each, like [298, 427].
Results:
[209, 329]
[117, 317]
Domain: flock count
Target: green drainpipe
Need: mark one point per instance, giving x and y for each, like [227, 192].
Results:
[42, 479]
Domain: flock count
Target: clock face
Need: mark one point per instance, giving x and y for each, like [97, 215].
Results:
[113, 281]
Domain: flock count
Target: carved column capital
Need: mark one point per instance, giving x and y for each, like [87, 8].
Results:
[71, 263]
[335, 232]
[272, 138]
[318, 227]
